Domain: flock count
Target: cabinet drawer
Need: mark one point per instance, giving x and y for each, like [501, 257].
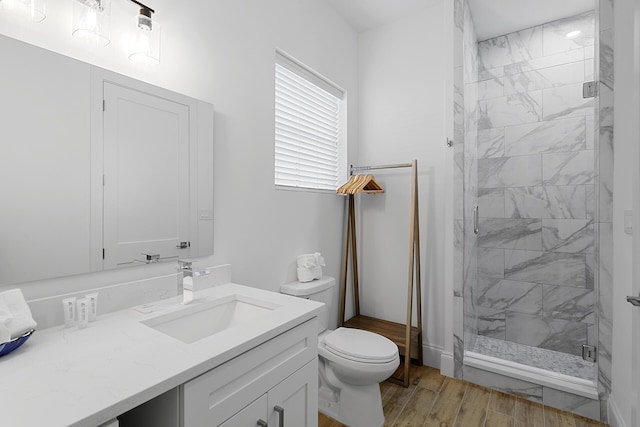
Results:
[215, 396]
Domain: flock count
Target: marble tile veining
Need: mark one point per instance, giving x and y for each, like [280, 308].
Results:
[606, 58]
[546, 202]
[520, 46]
[512, 109]
[553, 334]
[568, 235]
[577, 55]
[518, 171]
[560, 269]
[510, 233]
[549, 136]
[491, 322]
[491, 143]
[567, 303]
[543, 78]
[491, 202]
[500, 294]
[565, 101]
[568, 168]
[493, 73]
[491, 262]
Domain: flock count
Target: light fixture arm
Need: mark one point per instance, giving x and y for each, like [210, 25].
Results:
[145, 7]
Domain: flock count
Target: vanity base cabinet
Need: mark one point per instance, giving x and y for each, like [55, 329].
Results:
[274, 381]
[294, 402]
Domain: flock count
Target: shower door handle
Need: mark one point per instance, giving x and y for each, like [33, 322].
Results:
[634, 301]
[476, 230]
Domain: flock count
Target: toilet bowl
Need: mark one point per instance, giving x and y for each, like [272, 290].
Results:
[351, 362]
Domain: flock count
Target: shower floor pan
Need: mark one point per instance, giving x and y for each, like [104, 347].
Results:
[549, 368]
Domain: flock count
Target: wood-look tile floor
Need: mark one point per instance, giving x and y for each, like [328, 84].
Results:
[433, 400]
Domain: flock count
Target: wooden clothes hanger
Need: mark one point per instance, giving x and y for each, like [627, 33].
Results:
[361, 184]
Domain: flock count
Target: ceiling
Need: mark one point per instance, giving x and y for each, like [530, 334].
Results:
[491, 17]
[497, 17]
[366, 14]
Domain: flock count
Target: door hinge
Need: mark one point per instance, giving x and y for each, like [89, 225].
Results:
[104, 105]
[103, 253]
[589, 353]
[589, 89]
[104, 180]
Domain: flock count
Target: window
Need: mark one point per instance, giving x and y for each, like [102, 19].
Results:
[310, 151]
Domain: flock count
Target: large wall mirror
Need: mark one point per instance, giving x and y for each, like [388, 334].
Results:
[97, 170]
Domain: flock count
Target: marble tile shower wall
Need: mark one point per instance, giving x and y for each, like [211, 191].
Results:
[465, 181]
[470, 180]
[605, 144]
[536, 190]
[462, 327]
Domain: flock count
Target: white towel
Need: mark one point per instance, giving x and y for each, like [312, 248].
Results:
[310, 266]
[22, 320]
[5, 320]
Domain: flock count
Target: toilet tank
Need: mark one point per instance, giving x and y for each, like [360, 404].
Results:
[321, 290]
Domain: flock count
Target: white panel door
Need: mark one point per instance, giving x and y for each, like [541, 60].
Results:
[294, 402]
[146, 176]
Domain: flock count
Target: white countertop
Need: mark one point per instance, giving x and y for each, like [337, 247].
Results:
[85, 377]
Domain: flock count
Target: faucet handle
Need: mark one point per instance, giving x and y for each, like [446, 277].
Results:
[185, 264]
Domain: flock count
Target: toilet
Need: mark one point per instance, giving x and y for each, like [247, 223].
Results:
[351, 362]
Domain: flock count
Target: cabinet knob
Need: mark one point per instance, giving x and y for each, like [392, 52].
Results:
[280, 411]
[262, 423]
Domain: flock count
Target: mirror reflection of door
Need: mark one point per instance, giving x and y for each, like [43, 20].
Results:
[146, 176]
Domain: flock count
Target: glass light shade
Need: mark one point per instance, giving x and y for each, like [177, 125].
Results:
[144, 40]
[92, 21]
[31, 10]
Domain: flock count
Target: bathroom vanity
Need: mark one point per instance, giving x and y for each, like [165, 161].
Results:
[255, 362]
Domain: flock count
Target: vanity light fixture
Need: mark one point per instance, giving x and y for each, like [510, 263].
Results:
[32, 10]
[573, 34]
[92, 21]
[144, 37]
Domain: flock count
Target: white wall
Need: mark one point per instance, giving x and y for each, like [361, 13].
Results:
[222, 52]
[402, 117]
[625, 191]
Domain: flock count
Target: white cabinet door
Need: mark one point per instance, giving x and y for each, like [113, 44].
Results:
[294, 402]
[146, 176]
[253, 415]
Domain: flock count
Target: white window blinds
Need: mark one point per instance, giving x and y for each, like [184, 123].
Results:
[307, 128]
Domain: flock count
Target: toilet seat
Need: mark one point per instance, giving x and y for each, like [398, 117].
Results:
[361, 346]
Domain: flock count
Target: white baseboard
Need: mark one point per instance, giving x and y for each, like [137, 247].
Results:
[615, 418]
[447, 364]
[431, 355]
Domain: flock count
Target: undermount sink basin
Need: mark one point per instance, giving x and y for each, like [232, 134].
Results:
[205, 318]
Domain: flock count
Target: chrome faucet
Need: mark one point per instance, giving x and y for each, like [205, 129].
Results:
[185, 269]
[187, 280]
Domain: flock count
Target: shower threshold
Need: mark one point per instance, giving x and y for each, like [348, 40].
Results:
[549, 368]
